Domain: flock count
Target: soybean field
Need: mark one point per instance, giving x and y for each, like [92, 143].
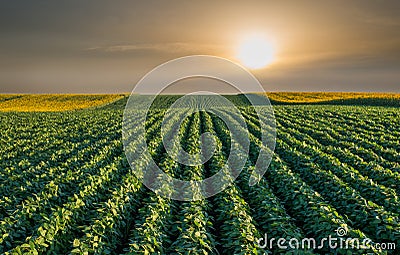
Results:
[67, 188]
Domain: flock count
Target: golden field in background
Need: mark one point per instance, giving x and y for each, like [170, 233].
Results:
[318, 97]
[54, 102]
[69, 102]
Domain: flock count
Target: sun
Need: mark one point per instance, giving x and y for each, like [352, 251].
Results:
[255, 52]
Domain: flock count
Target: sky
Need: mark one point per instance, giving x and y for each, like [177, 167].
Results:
[101, 46]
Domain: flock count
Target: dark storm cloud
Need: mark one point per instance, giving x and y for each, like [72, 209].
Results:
[106, 46]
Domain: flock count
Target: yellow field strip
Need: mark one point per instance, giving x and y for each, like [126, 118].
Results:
[315, 97]
[54, 102]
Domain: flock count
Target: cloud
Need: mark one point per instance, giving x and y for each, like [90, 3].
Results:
[382, 21]
[174, 47]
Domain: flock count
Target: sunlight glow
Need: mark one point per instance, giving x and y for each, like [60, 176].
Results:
[255, 52]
